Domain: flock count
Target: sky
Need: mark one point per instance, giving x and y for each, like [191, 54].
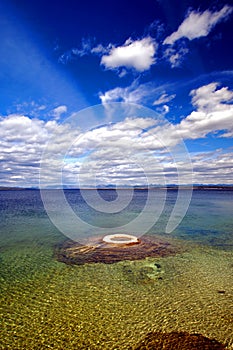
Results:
[116, 92]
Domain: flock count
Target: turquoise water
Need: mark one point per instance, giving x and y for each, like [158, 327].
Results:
[46, 304]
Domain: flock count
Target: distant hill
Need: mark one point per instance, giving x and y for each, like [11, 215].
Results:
[4, 188]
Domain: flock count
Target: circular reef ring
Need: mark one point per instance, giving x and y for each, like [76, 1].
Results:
[120, 238]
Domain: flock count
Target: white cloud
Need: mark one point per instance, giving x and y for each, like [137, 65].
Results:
[119, 153]
[100, 49]
[213, 167]
[136, 93]
[166, 109]
[198, 24]
[164, 98]
[115, 146]
[30, 107]
[69, 55]
[214, 108]
[23, 141]
[208, 99]
[138, 54]
[58, 111]
[133, 54]
[124, 152]
[130, 94]
[175, 56]
[214, 113]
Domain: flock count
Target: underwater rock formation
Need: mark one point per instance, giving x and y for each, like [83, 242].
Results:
[178, 341]
[144, 272]
[73, 253]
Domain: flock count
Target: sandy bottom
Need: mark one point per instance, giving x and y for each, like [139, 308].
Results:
[46, 304]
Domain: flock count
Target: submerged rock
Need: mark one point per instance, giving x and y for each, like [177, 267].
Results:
[73, 253]
[142, 273]
[178, 341]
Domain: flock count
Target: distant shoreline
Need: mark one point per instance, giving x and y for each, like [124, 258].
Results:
[139, 188]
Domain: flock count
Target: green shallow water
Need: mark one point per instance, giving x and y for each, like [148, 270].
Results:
[45, 304]
[49, 305]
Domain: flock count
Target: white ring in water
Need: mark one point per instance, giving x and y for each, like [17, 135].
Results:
[119, 238]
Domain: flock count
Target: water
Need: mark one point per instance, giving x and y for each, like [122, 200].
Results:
[46, 304]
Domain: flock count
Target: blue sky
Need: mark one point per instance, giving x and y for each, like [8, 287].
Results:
[173, 57]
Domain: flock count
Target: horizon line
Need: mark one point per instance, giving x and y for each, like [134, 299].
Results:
[112, 187]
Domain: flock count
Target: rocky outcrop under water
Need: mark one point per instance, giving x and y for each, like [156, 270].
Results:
[73, 253]
[178, 341]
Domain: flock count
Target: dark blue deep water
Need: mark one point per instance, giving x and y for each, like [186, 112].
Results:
[209, 218]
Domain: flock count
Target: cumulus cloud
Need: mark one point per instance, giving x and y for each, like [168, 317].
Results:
[133, 54]
[22, 144]
[124, 152]
[198, 24]
[213, 107]
[138, 54]
[213, 167]
[120, 149]
[214, 112]
[208, 98]
[119, 153]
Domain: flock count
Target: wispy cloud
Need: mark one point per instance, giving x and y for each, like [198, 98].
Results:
[175, 56]
[164, 98]
[198, 24]
[75, 52]
[33, 108]
[137, 93]
[146, 94]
